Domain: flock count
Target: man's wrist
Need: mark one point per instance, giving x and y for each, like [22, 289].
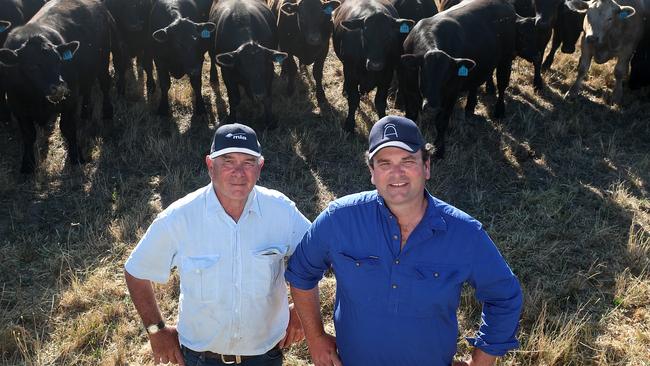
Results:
[154, 328]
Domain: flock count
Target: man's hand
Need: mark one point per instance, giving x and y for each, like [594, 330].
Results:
[294, 329]
[323, 351]
[165, 346]
[479, 358]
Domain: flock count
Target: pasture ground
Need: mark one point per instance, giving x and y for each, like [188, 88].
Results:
[562, 188]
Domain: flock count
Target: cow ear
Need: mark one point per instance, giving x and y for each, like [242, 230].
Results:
[8, 57]
[206, 29]
[278, 57]
[464, 66]
[352, 24]
[67, 50]
[579, 6]
[625, 12]
[4, 25]
[160, 35]
[289, 8]
[404, 25]
[227, 59]
[330, 6]
[411, 61]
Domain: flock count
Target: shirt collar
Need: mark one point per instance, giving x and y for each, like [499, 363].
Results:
[212, 204]
[432, 216]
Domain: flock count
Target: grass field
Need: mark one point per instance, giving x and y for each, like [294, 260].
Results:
[562, 188]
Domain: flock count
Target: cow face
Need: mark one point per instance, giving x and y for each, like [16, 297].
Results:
[314, 19]
[380, 36]
[604, 24]
[187, 41]
[440, 75]
[254, 63]
[39, 63]
[526, 46]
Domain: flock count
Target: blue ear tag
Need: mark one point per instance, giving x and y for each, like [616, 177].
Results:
[623, 14]
[2, 28]
[279, 59]
[67, 55]
[205, 33]
[463, 71]
[404, 28]
[328, 10]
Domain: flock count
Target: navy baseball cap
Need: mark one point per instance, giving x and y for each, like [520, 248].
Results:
[397, 132]
[232, 138]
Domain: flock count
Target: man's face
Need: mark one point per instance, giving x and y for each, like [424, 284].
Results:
[234, 175]
[399, 176]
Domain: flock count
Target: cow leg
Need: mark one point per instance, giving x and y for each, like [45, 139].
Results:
[351, 86]
[290, 70]
[489, 85]
[199, 104]
[68, 127]
[556, 42]
[214, 74]
[470, 105]
[381, 96]
[28, 132]
[105, 86]
[165, 82]
[317, 72]
[146, 62]
[234, 97]
[86, 92]
[503, 79]
[442, 122]
[621, 72]
[586, 52]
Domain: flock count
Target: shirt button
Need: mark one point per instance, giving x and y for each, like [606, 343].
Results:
[358, 264]
[198, 271]
[436, 275]
[394, 237]
[396, 261]
[394, 286]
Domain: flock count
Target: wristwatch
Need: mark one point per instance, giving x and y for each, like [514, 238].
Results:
[155, 328]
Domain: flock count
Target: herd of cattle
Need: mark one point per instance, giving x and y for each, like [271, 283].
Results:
[53, 51]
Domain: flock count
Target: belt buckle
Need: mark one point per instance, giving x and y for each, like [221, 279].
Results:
[237, 360]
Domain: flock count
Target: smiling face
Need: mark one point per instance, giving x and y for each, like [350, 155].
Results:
[233, 177]
[400, 176]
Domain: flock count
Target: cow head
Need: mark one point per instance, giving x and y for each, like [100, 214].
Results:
[313, 17]
[526, 46]
[255, 64]
[605, 21]
[39, 63]
[380, 37]
[440, 75]
[187, 42]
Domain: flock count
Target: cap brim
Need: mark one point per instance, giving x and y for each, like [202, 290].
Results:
[229, 150]
[399, 144]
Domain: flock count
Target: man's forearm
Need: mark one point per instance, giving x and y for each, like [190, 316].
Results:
[307, 303]
[143, 298]
[480, 358]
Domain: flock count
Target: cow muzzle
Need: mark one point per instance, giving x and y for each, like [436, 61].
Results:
[374, 65]
[57, 93]
[314, 39]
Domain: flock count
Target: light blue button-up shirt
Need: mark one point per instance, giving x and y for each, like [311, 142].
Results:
[233, 297]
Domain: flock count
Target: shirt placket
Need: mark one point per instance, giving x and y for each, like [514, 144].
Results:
[395, 280]
[237, 288]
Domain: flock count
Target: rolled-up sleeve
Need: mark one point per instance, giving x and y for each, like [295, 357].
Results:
[154, 256]
[497, 288]
[310, 260]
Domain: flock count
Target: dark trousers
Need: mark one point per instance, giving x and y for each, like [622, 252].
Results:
[270, 358]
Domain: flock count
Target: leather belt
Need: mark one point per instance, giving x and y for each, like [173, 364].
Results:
[226, 359]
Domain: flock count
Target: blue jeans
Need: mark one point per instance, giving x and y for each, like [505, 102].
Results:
[270, 358]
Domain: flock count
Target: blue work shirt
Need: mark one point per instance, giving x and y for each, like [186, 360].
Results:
[398, 306]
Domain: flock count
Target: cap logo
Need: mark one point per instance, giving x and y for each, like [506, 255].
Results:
[390, 131]
[237, 136]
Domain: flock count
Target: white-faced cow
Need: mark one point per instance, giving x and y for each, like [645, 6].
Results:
[246, 39]
[611, 30]
[181, 37]
[51, 61]
[304, 29]
[458, 50]
[367, 35]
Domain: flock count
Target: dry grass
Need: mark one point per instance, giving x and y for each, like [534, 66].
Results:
[562, 187]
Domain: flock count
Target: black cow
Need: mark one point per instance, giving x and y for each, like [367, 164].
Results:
[367, 41]
[454, 51]
[52, 60]
[640, 63]
[246, 39]
[182, 38]
[415, 9]
[566, 32]
[12, 14]
[304, 29]
[132, 17]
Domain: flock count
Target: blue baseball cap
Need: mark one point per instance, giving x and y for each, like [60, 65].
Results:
[233, 138]
[394, 131]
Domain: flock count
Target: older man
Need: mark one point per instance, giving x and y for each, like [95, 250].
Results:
[401, 257]
[229, 241]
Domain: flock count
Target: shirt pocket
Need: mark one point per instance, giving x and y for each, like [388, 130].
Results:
[199, 277]
[361, 278]
[436, 289]
[268, 265]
